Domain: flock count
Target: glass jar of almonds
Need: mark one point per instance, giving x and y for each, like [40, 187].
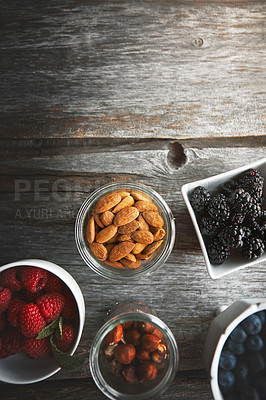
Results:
[124, 230]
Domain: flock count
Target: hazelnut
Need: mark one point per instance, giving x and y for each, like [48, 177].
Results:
[109, 351]
[114, 336]
[143, 355]
[159, 354]
[125, 353]
[116, 368]
[145, 327]
[149, 342]
[147, 371]
[127, 325]
[158, 333]
[133, 336]
[129, 373]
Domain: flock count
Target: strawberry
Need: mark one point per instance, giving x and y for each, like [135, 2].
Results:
[2, 321]
[31, 320]
[33, 278]
[51, 305]
[37, 348]
[70, 310]
[54, 284]
[12, 340]
[10, 279]
[13, 311]
[5, 296]
[64, 344]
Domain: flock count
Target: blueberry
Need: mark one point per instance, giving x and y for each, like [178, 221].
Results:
[256, 362]
[249, 393]
[227, 360]
[241, 371]
[236, 348]
[260, 385]
[226, 379]
[254, 342]
[252, 325]
[261, 315]
[238, 334]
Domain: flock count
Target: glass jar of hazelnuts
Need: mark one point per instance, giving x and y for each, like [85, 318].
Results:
[124, 231]
[134, 355]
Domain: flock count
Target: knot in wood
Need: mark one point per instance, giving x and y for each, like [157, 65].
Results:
[198, 42]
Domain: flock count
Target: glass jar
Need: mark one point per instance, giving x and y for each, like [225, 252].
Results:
[157, 259]
[115, 387]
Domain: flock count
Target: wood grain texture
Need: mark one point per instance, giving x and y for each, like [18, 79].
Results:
[132, 68]
[58, 175]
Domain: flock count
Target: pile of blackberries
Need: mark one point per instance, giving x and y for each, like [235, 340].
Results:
[242, 364]
[233, 217]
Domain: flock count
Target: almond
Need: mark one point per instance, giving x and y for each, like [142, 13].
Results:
[143, 205]
[124, 238]
[99, 250]
[158, 234]
[97, 219]
[115, 264]
[153, 218]
[123, 193]
[106, 234]
[90, 231]
[152, 247]
[130, 227]
[138, 248]
[107, 218]
[145, 237]
[125, 216]
[120, 250]
[130, 264]
[108, 201]
[130, 257]
[114, 239]
[143, 226]
[125, 202]
[139, 196]
[141, 256]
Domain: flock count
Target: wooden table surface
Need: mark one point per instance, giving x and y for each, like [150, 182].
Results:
[157, 92]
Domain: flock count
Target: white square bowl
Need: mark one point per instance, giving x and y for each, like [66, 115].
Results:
[235, 262]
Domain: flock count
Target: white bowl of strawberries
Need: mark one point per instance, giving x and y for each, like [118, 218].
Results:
[42, 315]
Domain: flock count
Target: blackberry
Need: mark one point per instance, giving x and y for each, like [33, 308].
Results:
[242, 203]
[208, 225]
[228, 187]
[236, 218]
[217, 251]
[253, 247]
[199, 198]
[218, 208]
[257, 226]
[247, 231]
[232, 236]
[252, 182]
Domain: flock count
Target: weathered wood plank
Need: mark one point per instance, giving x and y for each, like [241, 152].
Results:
[187, 386]
[132, 69]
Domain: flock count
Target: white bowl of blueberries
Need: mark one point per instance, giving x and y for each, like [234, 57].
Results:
[229, 216]
[235, 352]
